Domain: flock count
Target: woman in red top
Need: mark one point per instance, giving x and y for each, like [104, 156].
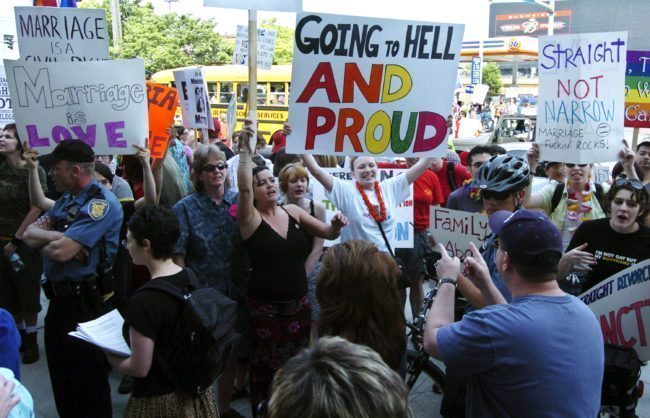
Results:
[426, 193]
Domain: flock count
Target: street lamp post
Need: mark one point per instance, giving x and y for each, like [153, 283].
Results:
[550, 6]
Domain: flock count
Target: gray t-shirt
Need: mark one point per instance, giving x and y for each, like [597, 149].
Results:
[121, 189]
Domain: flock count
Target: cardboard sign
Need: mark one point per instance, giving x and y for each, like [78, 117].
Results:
[163, 102]
[193, 94]
[455, 229]
[6, 113]
[637, 89]
[622, 306]
[581, 103]
[366, 86]
[103, 103]
[403, 214]
[480, 93]
[270, 5]
[265, 47]
[51, 34]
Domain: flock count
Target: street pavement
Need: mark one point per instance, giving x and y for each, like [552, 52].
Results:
[37, 380]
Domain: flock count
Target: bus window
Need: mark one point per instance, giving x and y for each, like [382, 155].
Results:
[212, 93]
[278, 94]
[225, 92]
[242, 93]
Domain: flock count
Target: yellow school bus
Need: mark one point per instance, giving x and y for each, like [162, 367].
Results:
[224, 81]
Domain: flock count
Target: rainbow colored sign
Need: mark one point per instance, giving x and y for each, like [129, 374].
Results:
[637, 89]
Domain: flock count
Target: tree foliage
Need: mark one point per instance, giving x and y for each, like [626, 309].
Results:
[166, 41]
[283, 43]
[492, 78]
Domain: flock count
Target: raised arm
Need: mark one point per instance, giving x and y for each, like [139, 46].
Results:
[36, 195]
[323, 177]
[150, 197]
[316, 228]
[423, 164]
[247, 216]
[533, 200]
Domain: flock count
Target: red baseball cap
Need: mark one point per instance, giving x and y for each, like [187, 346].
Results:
[279, 141]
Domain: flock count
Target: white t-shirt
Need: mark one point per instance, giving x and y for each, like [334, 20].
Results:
[233, 165]
[361, 225]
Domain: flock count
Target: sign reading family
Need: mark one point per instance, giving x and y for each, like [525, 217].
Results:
[103, 103]
[581, 100]
[363, 86]
[61, 34]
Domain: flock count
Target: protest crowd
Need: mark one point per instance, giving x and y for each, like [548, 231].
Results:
[245, 265]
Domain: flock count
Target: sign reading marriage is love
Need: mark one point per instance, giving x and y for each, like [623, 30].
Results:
[581, 98]
[103, 103]
[366, 86]
[621, 304]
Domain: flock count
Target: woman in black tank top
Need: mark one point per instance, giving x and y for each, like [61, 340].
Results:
[278, 243]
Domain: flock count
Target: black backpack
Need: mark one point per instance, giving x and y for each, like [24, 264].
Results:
[622, 372]
[451, 176]
[559, 189]
[203, 337]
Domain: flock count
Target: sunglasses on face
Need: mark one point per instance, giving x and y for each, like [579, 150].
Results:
[571, 165]
[488, 194]
[209, 168]
[637, 185]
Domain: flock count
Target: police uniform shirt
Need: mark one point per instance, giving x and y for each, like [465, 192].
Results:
[98, 216]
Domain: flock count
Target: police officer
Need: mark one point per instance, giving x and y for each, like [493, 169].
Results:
[78, 239]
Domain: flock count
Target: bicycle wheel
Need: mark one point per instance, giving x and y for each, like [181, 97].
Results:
[426, 394]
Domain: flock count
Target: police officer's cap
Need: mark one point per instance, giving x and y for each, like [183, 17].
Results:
[72, 150]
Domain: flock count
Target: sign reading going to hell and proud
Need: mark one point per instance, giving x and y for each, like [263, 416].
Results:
[365, 86]
[6, 114]
[621, 304]
[163, 102]
[581, 100]
[455, 229]
[193, 94]
[103, 103]
[403, 214]
[47, 34]
[265, 47]
[637, 89]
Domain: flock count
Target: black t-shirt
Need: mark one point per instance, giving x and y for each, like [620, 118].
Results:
[154, 314]
[613, 251]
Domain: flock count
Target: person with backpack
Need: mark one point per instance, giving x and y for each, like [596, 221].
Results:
[568, 204]
[451, 175]
[151, 323]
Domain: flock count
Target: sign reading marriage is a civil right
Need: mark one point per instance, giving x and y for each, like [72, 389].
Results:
[103, 103]
[581, 97]
[367, 86]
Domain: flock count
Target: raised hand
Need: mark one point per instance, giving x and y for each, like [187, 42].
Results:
[476, 269]
[30, 155]
[447, 267]
[286, 128]
[143, 153]
[533, 156]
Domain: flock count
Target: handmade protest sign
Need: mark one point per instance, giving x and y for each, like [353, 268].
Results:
[231, 116]
[637, 89]
[403, 214]
[6, 114]
[8, 41]
[274, 5]
[162, 102]
[581, 102]
[621, 304]
[48, 34]
[365, 86]
[193, 94]
[455, 229]
[103, 103]
[265, 47]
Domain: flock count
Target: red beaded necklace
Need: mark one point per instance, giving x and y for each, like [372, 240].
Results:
[378, 217]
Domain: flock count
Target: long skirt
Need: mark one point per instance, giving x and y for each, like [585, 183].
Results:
[279, 331]
[172, 405]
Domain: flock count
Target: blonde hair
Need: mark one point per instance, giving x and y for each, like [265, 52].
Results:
[338, 379]
[291, 170]
[202, 155]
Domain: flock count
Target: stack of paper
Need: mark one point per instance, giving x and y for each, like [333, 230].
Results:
[105, 332]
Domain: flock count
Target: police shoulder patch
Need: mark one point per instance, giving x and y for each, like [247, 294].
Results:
[98, 208]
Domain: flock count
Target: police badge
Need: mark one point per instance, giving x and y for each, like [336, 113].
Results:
[97, 209]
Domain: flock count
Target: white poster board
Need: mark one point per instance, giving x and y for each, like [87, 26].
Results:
[271, 5]
[265, 47]
[480, 93]
[367, 86]
[403, 214]
[581, 96]
[8, 39]
[231, 116]
[193, 95]
[622, 306]
[52, 34]
[455, 229]
[103, 103]
[6, 113]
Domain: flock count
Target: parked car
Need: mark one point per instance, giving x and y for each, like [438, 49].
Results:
[509, 129]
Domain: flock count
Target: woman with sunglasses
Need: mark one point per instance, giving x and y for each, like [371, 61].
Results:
[210, 243]
[277, 239]
[567, 204]
[603, 247]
